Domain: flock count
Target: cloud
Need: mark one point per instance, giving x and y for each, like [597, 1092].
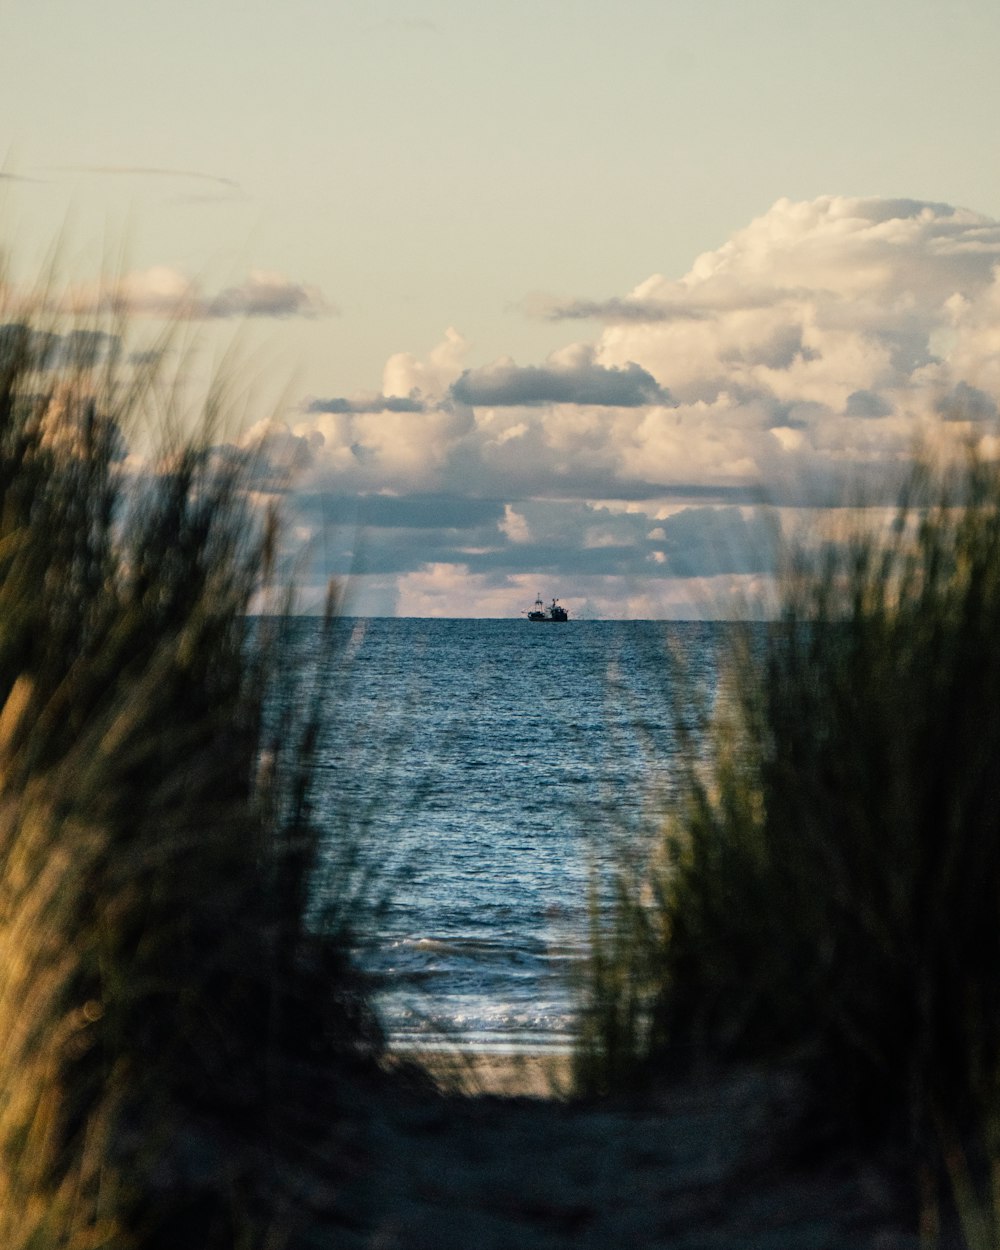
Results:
[710, 542]
[966, 403]
[368, 403]
[672, 302]
[802, 360]
[415, 512]
[162, 291]
[85, 348]
[47, 350]
[860, 308]
[817, 341]
[866, 404]
[406, 374]
[159, 291]
[566, 379]
[615, 309]
[267, 294]
[276, 452]
[18, 340]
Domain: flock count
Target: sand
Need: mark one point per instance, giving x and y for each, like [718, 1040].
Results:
[510, 1074]
[695, 1166]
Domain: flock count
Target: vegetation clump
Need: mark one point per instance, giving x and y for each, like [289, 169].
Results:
[826, 888]
[163, 970]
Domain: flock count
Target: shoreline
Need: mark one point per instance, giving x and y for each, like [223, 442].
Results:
[484, 1072]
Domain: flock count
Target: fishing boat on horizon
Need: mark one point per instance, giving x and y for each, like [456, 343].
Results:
[551, 614]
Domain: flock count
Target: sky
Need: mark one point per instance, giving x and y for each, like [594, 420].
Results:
[535, 297]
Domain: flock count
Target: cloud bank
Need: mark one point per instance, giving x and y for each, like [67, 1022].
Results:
[801, 359]
[165, 292]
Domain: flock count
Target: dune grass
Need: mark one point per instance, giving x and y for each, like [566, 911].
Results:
[162, 968]
[825, 890]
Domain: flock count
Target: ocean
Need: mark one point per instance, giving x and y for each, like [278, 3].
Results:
[477, 774]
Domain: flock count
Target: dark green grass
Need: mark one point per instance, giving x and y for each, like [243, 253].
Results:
[162, 969]
[826, 889]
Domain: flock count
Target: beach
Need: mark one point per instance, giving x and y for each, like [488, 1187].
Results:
[700, 1164]
[488, 1072]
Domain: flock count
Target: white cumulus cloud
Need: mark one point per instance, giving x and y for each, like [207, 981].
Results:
[804, 356]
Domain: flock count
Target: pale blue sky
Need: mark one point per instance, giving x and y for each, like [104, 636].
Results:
[433, 164]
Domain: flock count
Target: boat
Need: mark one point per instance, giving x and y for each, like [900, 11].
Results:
[554, 612]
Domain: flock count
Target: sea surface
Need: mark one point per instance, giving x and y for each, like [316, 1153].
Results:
[477, 774]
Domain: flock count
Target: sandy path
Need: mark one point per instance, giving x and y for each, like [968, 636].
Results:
[696, 1167]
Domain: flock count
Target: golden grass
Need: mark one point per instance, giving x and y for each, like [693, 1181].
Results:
[159, 961]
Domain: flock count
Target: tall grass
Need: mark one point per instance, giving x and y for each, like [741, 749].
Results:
[826, 889]
[160, 969]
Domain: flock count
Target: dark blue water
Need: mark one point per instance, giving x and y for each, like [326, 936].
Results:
[482, 769]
